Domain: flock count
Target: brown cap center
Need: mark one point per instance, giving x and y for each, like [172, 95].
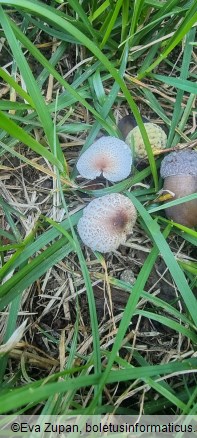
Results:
[119, 221]
[102, 163]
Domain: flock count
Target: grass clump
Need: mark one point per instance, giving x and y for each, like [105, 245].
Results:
[93, 340]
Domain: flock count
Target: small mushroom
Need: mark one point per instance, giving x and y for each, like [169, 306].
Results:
[127, 123]
[106, 222]
[133, 137]
[109, 156]
[179, 170]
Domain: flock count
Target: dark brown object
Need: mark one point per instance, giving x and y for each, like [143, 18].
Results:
[127, 123]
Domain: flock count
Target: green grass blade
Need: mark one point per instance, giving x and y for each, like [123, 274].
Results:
[169, 259]
[106, 107]
[30, 273]
[42, 390]
[187, 23]
[111, 23]
[169, 323]
[71, 89]
[7, 78]
[15, 131]
[31, 84]
[29, 249]
[127, 315]
[89, 291]
[102, 8]
[83, 16]
[155, 301]
[179, 83]
[65, 25]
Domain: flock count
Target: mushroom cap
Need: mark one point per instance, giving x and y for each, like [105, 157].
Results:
[106, 222]
[109, 156]
[156, 135]
[179, 163]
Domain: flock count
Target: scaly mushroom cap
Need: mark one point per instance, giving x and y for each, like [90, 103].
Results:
[106, 222]
[156, 135]
[109, 156]
[179, 163]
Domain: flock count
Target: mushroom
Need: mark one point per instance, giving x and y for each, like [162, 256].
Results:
[109, 156]
[179, 170]
[133, 137]
[127, 123]
[106, 222]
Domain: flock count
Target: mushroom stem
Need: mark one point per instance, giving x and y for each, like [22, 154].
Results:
[182, 185]
[179, 171]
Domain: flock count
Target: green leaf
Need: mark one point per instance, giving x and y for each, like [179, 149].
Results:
[7, 78]
[15, 131]
[179, 83]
